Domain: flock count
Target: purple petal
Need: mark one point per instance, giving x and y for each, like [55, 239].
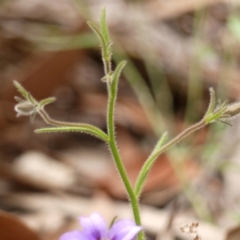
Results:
[74, 235]
[124, 230]
[94, 226]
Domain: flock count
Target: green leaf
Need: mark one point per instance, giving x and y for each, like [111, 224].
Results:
[104, 27]
[149, 163]
[112, 222]
[160, 142]
[32, 99]
[46, 101]
[21, 89]
[212, 102]
[116, 75]
[24, 92]
[101, 38]
[217, 114]
[84, 129]
[109, 48]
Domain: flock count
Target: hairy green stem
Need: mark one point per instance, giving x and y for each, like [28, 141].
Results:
[111, 78]
[112, 91]
[151, 159]
[83, 127]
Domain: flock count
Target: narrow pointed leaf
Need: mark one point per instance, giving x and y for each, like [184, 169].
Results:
[46, 101]
[212, 102]
[104, 28]
[116, 76]
[101, 38]
[21, 89]
[32, 99]
[88, 130]
[218, 114]
[160, 142]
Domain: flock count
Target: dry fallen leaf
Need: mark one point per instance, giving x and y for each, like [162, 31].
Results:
[13, 229]
[233, 234]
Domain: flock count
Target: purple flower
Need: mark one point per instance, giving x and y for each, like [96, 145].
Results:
[95, 228]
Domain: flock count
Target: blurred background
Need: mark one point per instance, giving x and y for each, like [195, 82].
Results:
[175, 50]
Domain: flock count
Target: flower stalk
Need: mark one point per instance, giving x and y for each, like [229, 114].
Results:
[155, 154]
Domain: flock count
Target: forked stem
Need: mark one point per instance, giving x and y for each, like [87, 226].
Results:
[151, 159]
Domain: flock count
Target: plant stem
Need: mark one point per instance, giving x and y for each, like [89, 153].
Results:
[115, 152]
[83, 127]
[151, 159]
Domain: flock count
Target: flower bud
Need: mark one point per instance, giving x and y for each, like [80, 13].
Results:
[232, 110]
[25, 108]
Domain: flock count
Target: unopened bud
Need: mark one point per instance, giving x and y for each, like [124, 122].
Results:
[232, 110]
[25, 108]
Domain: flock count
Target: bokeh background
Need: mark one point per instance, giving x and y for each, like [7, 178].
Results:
[176, 50]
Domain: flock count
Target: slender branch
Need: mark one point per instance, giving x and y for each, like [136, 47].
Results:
[151, 159]
[117, 158]
[82, 127]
